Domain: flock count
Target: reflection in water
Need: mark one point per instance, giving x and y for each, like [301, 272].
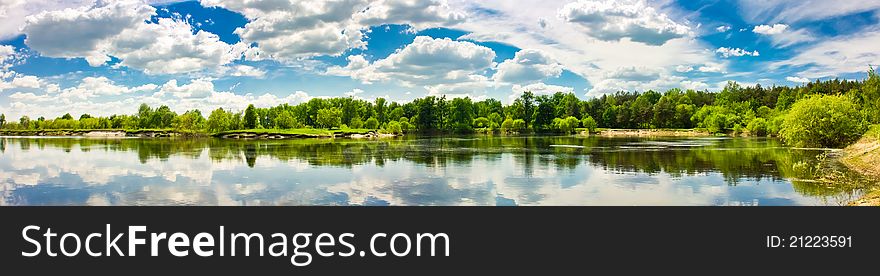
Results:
[477, 170]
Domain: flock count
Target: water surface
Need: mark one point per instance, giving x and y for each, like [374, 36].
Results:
[469, 170]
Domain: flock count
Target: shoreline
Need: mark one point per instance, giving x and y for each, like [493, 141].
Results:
[651, 133]
[236, 134]
[864, 157]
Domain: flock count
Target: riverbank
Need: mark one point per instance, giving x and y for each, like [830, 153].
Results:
[302, 133]
[234, 134]
[864, 157]
[651, 133]
[103, 133]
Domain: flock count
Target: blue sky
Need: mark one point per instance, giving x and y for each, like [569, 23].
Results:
[104, 57]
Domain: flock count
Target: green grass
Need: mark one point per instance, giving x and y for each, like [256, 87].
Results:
[317, 132]
[874, 132]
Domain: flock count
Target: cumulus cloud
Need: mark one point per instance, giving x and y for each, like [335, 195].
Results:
[439, 65]
[694, 85]
[614, 20]
[735, 52]
[635, 78]
[419, 13]
[244, 71]
[711, 68]
[26, 82]
[291, 30]
[782, 36]
[797, 79]
[120, 29]
[770, 30]
[723, 28]
[526, 66]
[91, 87]
[94, 95]
[198, 88]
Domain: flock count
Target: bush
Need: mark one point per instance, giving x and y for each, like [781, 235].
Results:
[482, 122]
[356, 123]
[823, 121]
[757, 127]
[371, 123]
[393, 127]
[566, 125]
[589, 123]
[519, 125]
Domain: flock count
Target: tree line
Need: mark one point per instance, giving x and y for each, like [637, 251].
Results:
[789, 112]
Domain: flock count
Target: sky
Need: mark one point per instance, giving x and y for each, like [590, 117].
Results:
[108, 57]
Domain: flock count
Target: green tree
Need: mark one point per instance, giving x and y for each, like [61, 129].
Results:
[2, 120]
[482, 122]
[543, 114]
[461, 114]
[566, 125]
[393, 127]
[371, 123]
[757, 127]
[25, 122]
[590, 123]
[356, 122]
[495, 119]
[250, 117]
[330, 117]
[823, 121]
[219, 121]
[285, 120]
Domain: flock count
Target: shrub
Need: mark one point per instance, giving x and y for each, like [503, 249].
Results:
[823, 121]
[371, 123]
[393, 127]
[757, 127]
[482, 122]
[590, 123]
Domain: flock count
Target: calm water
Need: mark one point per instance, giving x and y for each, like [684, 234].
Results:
[476, 170]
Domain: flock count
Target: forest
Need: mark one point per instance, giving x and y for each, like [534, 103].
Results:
[826, 113]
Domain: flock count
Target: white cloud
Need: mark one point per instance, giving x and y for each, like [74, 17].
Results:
[723, 28]
[770, 30]
[197, 88]
[442, 66]
[86, 98]
[292, 30]
[694, 85]
[684, 68]
[245, 71]
[797, 79]
[14, 12]
[736, 52]
[711, 68]
[118, 29]
[354, 92]
[617, 19]
[526, 66]
[418, 13]
[26, 82]
[571, 46]
[801, 10]
[635, 78]
[782, 36]
[537, 89]
[835, 56]
[91, 87]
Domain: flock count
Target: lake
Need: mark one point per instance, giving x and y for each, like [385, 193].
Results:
[467, 170]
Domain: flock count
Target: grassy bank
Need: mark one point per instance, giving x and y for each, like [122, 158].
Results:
[298, 132]
[864, 157]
